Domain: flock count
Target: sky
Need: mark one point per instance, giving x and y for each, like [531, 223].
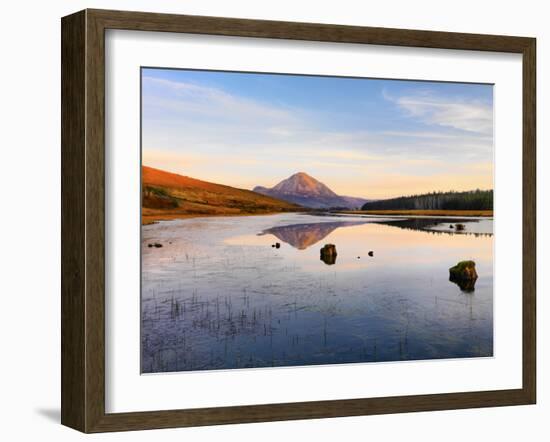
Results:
[361, 137]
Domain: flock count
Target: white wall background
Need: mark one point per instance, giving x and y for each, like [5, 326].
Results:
[30, 217]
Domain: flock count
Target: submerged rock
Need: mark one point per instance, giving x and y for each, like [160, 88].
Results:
[464, 275]
[328, 254]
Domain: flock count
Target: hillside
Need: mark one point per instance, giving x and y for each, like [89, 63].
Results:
[305, 190]
[168, 195]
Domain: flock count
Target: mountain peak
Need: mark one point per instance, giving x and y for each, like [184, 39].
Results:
[301, 175]
[302, 184]
[301, 188]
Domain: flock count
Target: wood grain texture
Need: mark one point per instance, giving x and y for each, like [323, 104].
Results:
[83, 220]
[73, 211]
[145, 21]
[529, 221]
[95, 221]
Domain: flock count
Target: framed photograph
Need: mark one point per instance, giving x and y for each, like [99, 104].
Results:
[269, 220]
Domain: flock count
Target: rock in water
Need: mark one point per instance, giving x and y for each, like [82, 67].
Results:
[328, 254]
[464, 275]
[371, 253]
[460, 227]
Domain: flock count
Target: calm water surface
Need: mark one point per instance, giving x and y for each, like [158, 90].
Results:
[217, 295]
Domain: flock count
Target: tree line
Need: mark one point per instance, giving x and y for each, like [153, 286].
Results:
[469, 200]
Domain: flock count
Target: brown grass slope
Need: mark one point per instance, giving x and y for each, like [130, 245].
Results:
[168, 195]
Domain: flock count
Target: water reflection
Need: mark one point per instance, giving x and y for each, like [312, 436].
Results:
[217, 295]
[475, 227]
[302, 236]
[465, 285]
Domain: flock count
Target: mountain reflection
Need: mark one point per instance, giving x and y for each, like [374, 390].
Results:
[302, 236]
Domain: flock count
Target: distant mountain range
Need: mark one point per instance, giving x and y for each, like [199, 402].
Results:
[304, 190]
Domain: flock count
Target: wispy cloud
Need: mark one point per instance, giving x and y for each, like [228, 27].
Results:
[436, 135]
[468, 115]
[231, 136]
[185, 98]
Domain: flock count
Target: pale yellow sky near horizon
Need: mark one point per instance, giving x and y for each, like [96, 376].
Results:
[382, 179]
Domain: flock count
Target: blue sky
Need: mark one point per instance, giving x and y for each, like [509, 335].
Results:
[362, 137]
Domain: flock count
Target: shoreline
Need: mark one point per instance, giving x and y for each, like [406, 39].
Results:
[147, 220]
[155, 218]
[421, 212]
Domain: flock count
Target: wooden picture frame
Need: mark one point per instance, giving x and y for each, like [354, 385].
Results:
[83, 220]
